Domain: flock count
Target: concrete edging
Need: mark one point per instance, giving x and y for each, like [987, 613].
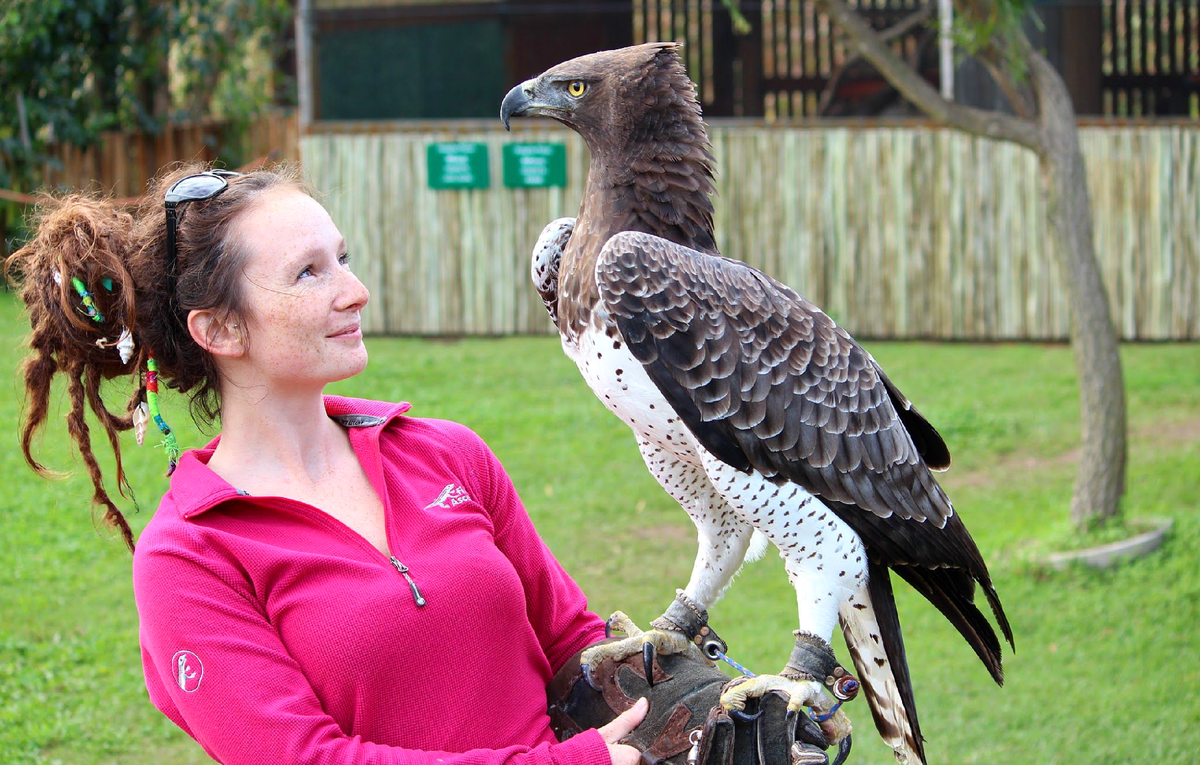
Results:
[1105, 556]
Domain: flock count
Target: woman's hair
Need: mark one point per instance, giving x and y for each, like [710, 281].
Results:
[119, 257]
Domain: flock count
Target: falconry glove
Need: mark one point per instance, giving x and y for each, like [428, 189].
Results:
[686, 724]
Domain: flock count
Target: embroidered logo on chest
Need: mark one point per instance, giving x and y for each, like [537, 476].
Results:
[188, 670]
[451, 496]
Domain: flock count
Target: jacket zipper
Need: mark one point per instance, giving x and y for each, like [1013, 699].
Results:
[387, 506]
[377, 452]
[331, 522]
[403, 569]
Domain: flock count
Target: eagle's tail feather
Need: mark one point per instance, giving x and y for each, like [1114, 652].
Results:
[952, 592]
[993, 600]
[872, 632]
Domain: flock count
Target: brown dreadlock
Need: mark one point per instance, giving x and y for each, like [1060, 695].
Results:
[121, 258]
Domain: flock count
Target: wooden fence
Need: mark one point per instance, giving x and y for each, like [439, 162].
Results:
[1150, 57]
[905, 231]
[123, 163]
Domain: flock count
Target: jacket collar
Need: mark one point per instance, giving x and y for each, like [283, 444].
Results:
[195, 488]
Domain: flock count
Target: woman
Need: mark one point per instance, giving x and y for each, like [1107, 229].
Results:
[329, 580]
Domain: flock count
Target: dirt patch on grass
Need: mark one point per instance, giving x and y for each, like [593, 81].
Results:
[1183, 431]
[668, 533]
[1171, 433]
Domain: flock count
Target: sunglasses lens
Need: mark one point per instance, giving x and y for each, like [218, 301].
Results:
[195, 187]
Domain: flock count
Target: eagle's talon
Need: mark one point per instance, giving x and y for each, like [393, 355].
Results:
[805, 728]
[649, 644]
[801, 692]
[740, 715]
[620, 622]
[836, 727]
[586, 671]
[843, 750]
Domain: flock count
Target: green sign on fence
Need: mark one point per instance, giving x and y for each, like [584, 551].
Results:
[535, 165]
[458, 165]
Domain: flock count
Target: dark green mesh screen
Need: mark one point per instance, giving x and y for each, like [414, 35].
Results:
[416, 72]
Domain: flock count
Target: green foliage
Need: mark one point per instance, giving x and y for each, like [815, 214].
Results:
[741, 25]
[85, 66]
[70, 676]
[994, 30]
[70, 62]
[218, 66]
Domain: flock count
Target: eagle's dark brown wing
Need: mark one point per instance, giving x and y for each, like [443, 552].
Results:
[767, 382]
[773, 374]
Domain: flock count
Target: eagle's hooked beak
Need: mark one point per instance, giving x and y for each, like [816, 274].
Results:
[534, 99]
[516, 103]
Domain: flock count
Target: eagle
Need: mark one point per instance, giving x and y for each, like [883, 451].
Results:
[752, 408]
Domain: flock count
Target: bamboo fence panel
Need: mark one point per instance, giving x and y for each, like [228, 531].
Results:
[896, 231]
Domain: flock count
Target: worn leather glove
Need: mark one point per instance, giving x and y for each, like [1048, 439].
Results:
[686, 724]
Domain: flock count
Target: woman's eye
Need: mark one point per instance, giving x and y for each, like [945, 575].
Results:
[344, 259]
[576, 88]
[305, 273]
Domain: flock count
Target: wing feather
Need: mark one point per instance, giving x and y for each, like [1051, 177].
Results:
[768, 382]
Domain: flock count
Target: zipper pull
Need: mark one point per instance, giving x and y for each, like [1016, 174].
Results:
[403, 569]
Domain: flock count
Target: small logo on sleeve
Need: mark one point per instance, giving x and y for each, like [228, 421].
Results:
[452, 495]
[188, 670]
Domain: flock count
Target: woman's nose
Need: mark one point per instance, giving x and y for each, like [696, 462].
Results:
[354, 293]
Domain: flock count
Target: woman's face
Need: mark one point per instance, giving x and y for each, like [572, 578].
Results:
[302, 302]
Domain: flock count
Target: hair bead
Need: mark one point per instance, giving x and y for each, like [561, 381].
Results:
[170, 444]
[89, 302]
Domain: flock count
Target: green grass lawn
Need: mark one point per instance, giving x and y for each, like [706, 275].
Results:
[1107, 667]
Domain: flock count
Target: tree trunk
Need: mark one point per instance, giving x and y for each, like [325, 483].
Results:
[1100, 480]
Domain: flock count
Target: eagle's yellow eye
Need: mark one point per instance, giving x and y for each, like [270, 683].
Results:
[576, 88]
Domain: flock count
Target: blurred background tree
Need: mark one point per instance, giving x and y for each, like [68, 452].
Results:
[72, 69]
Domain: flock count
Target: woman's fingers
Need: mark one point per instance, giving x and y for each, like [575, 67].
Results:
[623, 754]
[624, 723]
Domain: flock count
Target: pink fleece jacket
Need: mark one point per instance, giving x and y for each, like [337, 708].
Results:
[273, 633]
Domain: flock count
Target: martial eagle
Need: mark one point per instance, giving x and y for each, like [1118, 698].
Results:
[750, 406]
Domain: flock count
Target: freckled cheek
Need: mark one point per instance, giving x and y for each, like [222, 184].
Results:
[290, 340]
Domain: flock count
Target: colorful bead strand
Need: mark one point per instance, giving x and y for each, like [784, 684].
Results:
[89, 302]
[169, 443]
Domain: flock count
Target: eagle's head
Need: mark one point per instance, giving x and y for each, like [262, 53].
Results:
[613, 97]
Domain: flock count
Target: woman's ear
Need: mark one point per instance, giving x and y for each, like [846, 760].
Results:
[220, 337]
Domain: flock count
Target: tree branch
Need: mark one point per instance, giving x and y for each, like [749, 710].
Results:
[1019, 101]
[891, 33]
[905, 79]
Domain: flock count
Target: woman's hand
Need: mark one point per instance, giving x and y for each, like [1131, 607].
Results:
[619, 728]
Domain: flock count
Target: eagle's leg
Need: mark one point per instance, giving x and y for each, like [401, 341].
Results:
[812, 676]
[812, 657]
[683, 627]
[802, 691]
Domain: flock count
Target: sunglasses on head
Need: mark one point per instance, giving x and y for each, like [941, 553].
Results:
[193, 188]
